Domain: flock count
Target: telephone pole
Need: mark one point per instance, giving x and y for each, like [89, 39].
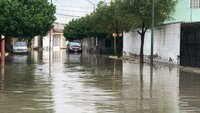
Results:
[152, 31]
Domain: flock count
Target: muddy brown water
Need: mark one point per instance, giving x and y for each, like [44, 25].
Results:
[75, 83]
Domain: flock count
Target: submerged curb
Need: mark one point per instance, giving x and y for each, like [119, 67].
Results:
[136, 60]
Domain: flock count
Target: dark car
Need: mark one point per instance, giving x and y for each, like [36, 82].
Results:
[74, 47]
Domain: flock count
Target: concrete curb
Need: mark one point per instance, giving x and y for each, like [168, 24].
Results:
[131, 59]
[137, 60]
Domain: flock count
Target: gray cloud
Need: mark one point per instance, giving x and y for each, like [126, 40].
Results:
[66, 10]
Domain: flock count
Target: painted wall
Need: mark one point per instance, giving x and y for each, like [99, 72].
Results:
[166, 43]
[88, 44]
[183, 13]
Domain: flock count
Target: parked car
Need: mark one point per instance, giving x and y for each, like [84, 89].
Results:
[20, 47]
[74, 47]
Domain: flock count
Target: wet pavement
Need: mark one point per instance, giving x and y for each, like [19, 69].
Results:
[75, 83]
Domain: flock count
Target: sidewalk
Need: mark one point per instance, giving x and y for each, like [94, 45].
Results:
[137, 60]
[133, 59]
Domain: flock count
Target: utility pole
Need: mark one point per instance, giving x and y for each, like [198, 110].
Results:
[50, 42]
[50, 50]
[96, 39]
[152, 31]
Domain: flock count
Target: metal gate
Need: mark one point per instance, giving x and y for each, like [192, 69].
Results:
[190, 45]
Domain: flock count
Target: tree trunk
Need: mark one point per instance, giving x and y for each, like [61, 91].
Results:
[8, 46]
[40, 43]
[29, 42]
[142, 48]
[142, 35]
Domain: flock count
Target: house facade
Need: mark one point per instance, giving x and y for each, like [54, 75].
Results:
[168, 37]
[55, 37]
[186, 11]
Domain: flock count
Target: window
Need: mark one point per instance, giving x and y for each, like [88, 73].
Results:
[56, 40]
[194, 4]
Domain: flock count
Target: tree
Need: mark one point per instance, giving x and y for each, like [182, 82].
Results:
[141, 9]
[110, 18]
[75, 30]
[105, 20]
[26, 18]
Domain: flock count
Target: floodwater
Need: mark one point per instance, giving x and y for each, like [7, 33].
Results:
[75, 83]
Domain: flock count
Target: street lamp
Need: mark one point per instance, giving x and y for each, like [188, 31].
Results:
[152, 30]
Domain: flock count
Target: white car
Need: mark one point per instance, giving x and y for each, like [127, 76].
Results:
[20, 47]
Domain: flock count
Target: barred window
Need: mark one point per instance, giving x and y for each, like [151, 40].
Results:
[56, 40]
[194, 4]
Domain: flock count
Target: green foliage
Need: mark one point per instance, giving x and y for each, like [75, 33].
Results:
[26, 18]
[110, 18]
[119, 16]
[142, 9]
[105, 20]
[75, 30]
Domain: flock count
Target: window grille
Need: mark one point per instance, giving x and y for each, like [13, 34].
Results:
[194, 4]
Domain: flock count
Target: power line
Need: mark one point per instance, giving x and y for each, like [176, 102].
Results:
[68, 15]
[94, 5]
[73, 10]
[73, 7]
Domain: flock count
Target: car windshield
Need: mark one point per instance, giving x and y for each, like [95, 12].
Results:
[74, 44]
[20, 44]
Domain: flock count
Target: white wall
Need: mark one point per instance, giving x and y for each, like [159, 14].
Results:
[166, 43]
[35, 42]
[46, 42]
[88, 43]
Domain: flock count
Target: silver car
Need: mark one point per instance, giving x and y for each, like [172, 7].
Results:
[20, 47]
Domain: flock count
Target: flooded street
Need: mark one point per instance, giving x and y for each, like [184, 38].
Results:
[75, 83]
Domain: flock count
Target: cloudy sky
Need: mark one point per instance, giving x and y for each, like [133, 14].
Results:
[66, 10]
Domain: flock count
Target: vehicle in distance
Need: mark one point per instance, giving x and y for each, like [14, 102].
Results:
[74, 47]
[20, 47]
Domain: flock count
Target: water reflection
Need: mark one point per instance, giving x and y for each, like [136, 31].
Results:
[22, 90]
[19, 58]
[105, 85]
[74, 58]
[189, 92]
[59, 56]
[1, 78]
[149, 89]
[82, 83]
[141, 67]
